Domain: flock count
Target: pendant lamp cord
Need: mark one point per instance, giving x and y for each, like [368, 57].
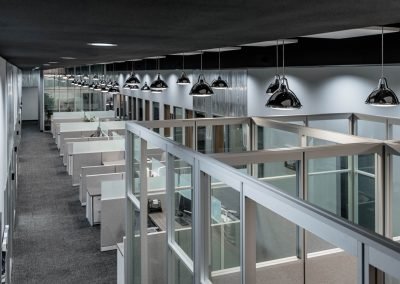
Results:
[277, 56]
[183, 61]
[201, 61]
[382, 54]
[283, 58]
[219, 61]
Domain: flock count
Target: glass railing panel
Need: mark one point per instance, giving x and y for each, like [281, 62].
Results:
[224, 232]
[183, 200]
[282, 175]
[136, 160]
[371, 129]
[277, 249]
[395, 200]
[337, 125]
[222, 138]
[312, 141]
[270, 138]
[181, 274]
[328, 264]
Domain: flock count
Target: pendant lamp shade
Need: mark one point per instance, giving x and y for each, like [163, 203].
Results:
[95, 77]
[201, 88]
[79, 83]
[183, 79]
[103, 83]
[91, 86]
[132, 80]
[113, 90]
[71, 78]
[126, 87]
[85, 77]
[154, 91]
[284, 98]
[109, 84]
[85, 84]
[134, 88]
[104, 89]
[382, 96]
[274, 86]
[145, 88]
[97, 87]
[158, 84]
[219, 84]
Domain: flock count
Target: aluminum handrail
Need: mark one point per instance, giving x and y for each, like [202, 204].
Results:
[350, 237]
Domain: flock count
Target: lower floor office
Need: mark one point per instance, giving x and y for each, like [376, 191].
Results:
[53, 242]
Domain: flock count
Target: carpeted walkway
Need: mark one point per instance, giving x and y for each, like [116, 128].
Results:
[53, 241]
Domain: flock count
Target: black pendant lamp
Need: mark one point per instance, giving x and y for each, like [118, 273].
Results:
[158, 84]
[134, 88]
[126, 87]
[283, 98]
[95, 77]
[114, 89]
[97, 87]
[183, 79]
[275, 84]
[85, 84]
[145, 88]
[132, 80]
[219, 83]
[201, 88]
[382, 96]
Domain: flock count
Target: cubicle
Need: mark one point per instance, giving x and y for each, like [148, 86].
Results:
[79, 116]
[87, 129]
[253, 200]
[94, 153]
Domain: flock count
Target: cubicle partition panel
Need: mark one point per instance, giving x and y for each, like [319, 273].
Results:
[67, 146]
[95, 171]
[273, 200]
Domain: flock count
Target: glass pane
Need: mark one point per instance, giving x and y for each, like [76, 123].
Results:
[395, 201]
[136, 255]
[337, 125]
[328, 184]
[281, 175]
[276, 249]
[225, 231]
[270, 138]
[183, 188]
[137, 144]
[328, 264]
[312, 141]
[371, 129]
[182, 274]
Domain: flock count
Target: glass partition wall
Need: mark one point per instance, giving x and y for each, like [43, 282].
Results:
[262, 200]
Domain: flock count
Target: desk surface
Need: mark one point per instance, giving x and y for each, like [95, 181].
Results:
[160, 219]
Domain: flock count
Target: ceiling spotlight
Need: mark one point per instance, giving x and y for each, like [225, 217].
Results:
[283, 98]
[145, 88]
[219, 83]
[201, 88]
[382, 96]
[274, 85]
[102, 44]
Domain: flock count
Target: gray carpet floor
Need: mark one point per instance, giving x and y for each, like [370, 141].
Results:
[53, 242]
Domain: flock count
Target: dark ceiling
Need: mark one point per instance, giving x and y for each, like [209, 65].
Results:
[35, 32]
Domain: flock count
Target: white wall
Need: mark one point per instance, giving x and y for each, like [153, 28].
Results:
[30, 102]
[324, 89]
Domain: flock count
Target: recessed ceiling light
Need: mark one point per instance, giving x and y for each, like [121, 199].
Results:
[102, 44]
[135, 60]
[222, 49]
[155, 57]
[187, 53]
[46, 64]
[67, 58]
[270, 43]
[53, 62]
[355, 33]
